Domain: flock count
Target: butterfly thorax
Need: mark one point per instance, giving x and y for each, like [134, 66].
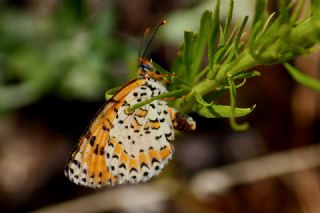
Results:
[147, 71]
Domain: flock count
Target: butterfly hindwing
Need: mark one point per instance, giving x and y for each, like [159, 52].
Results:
[142, 138]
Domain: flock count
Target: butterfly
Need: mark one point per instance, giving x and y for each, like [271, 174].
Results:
[122, 146]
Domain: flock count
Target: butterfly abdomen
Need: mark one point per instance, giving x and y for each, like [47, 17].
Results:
[182, 122]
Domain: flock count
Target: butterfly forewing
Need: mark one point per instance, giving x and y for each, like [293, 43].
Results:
[87, 165]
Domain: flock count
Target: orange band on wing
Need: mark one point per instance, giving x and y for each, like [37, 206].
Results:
[124, 158]
[165, 152]
[133, 164]
[154, 154]
[155, 125]
[140, 112]
[117, 149]
[142, 158]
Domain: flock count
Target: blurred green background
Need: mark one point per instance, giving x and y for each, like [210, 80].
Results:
[57, 59]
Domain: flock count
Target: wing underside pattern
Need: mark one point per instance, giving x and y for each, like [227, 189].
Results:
[121, 147]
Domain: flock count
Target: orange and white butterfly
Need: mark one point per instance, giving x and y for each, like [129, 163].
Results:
[128, 147]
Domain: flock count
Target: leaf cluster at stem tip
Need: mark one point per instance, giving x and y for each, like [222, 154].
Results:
[232, 54]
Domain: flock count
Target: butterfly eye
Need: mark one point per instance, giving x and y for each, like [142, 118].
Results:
[146, 67]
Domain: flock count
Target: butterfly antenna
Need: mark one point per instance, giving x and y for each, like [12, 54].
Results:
[152, 37]
[141, 40]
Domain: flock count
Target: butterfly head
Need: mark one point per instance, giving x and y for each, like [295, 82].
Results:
[145, 67]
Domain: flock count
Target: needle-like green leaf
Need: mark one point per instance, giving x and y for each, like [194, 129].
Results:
[302, 78]
[189, 44]
[221, 111]
[233, 97]
[213, 34]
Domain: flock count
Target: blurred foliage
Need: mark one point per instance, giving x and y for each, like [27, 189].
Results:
[68, 51]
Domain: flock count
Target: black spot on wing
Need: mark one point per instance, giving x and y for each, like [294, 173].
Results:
[105, 128]
[122, 166]
[154, 120]
[144, 165]
[152, 105]
[102, 151]
[77, 163]
[96, 149]
[133, 170]
[92, 140]
[152, 88]
[154, 160]
[168, 136]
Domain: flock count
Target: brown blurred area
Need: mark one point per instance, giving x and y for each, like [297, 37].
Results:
[36, 138]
